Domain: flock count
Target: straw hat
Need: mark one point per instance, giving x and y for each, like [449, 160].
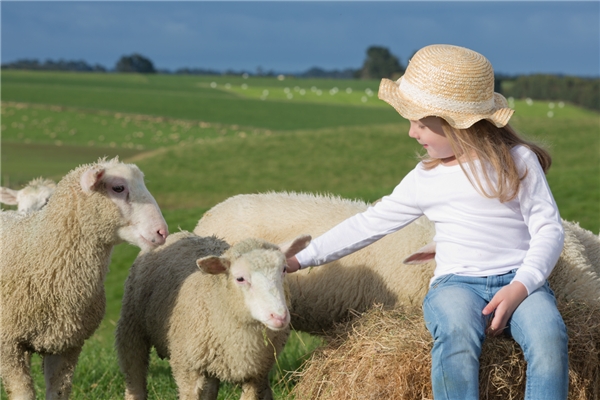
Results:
[451, 82]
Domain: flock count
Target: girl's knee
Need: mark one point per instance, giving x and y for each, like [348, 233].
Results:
[549, 342]
[546, 351]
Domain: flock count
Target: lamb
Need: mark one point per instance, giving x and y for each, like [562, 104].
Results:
[205, 305]
[53, 266]
[322, 296]
[32, 197]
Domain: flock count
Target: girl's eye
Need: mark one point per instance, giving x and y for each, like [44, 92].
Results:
[240, 279]
[118, 189]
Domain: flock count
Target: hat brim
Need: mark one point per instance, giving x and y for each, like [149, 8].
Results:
[390, 93]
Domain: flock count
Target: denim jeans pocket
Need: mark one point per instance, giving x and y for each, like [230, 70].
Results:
[440, 281]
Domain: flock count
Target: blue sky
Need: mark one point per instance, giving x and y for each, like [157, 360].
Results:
[517, 37]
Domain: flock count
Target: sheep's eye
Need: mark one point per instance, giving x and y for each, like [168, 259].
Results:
[240, 279]
[285, 269]
[118, 189]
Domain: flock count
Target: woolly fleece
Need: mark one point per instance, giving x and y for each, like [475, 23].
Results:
[52, 268]
[198, 321]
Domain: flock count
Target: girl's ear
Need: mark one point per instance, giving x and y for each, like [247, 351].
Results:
[91, 178]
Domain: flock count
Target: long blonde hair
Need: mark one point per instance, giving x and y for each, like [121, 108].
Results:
[490, 145]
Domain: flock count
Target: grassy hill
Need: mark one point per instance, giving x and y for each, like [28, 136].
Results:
[201, 139]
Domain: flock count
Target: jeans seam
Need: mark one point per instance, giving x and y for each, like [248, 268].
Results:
[433, 311]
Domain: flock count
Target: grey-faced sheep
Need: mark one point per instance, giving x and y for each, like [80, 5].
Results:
[216, 312]
[325, 295]
[32, 197]
[53, 266]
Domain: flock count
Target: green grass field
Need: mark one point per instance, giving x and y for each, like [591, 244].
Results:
[201, 139]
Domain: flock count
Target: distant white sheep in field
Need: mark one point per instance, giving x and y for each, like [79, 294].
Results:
[53, 266]
[217, 312]
[324, 295]
[32, 197]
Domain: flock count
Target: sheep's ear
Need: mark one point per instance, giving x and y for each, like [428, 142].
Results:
[91, 178]
[290, 249]
[421, 256]
[213, 265]
[8, 196]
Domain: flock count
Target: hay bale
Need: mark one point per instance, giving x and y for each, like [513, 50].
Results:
[385, 354]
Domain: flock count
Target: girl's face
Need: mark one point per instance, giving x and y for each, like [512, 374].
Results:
[429, 133]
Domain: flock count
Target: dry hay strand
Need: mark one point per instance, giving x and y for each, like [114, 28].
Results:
[385, 354]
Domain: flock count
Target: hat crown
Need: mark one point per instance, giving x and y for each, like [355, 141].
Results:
[450, 82]
[446, 74]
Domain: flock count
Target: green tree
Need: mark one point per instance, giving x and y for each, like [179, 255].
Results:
[380, 63]
[135, 63]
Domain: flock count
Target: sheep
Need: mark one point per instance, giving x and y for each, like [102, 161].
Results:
[32, 197]
[204, 305]
[322, 296]
[53, 266]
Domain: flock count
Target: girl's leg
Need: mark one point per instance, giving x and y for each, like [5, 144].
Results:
[540, 331]
[452, 311]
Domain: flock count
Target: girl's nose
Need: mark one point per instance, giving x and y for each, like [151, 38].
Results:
[413, 134]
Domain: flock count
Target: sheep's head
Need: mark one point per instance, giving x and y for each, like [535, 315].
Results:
[142, 223]
[32, 197]
[257, 269]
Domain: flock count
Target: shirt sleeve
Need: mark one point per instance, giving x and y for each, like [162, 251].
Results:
[542, 217]
[392, 213]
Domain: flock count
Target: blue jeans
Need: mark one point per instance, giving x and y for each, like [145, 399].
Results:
[452, 311]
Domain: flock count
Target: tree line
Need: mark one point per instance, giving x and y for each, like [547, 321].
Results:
[51, 65]
[379, 63]
[584, 92]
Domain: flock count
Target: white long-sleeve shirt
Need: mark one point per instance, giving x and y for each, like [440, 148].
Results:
[475, 235]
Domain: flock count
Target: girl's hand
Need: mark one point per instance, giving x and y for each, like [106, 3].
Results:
[292, 264]
[503, 304]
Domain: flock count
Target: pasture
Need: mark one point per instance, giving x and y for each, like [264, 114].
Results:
[202, 139]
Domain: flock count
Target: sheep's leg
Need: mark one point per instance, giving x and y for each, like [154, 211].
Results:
[258, 389]
[193, 385]
[210, 388]
[58, 373]
[134, 359]
[15, 369]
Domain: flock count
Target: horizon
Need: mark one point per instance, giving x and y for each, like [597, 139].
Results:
[519, 38]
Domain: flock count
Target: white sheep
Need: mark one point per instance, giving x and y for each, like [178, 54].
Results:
[53, 266]
[324, 295]
[206, 307]
[32, 197]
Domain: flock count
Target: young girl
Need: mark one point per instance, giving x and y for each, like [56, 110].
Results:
[498, 229]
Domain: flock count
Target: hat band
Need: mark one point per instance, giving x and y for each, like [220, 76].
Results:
[431, 100]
